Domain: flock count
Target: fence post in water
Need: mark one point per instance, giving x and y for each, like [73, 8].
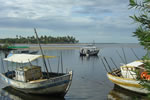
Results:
[107, 64]
[120, 56]
[49, 65]
[135, 54]
[124, 55]
[61, 63]
[104, 64]
[58, 64]
[113, 63]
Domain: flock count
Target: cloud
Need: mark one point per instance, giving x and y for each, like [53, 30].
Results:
[82, 18]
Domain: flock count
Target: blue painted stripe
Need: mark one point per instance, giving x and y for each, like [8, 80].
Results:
[51, 85]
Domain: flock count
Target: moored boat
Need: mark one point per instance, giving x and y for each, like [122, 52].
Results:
[127, 78]
[89, 51]
[31, 79]
[21, 49]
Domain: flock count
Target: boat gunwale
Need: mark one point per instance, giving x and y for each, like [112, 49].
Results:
[67, 74]
[111, 74]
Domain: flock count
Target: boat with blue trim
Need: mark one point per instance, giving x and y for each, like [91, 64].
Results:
[31, 79]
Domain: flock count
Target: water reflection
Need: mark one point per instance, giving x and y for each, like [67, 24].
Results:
[9, 93]
[87, 58]
[118, 93]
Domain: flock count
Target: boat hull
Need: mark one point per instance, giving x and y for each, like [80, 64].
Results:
[57, 85]
[94, 53]
[129, 84]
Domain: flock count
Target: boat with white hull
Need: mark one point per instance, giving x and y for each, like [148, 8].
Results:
[89, 51]
[127, 83]
[30, 79]
[58, 85]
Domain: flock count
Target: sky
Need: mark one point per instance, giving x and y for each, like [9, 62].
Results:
[102, 21]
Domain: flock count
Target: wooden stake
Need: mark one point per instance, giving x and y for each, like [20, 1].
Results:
[104, 64]
[114, 63]
[135, 54]
[124, 55]
[107, 64]
[120, 56]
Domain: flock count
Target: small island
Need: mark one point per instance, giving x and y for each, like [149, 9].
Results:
[6, 42]
[43, 39]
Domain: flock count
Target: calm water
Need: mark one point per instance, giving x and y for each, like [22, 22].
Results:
[89, 80]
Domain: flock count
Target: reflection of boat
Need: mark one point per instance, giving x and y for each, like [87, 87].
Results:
[88, 58]
[118, 93]
[126, 77]
[89, 51]
[16, 95]
[30, 79]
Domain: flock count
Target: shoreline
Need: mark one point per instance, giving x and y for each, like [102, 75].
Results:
[54, 48]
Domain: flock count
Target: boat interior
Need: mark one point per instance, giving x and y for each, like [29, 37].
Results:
[116, 72]
[45, 75]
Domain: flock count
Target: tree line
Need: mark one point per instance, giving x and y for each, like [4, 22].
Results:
[43, 39]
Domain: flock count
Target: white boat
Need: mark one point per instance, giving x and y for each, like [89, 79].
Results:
[30, 79]
[20, 50]
[126, 77]
[89, 51]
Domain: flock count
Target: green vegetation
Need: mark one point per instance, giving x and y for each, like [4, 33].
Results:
[143, 30]
[43, 39]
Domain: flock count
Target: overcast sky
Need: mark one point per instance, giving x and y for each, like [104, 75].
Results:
[104, 21]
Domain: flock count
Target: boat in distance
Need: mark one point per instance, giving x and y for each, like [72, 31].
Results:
[31, 79]
[127, 78]
[89, 51]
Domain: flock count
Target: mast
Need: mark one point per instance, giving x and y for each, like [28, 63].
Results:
[44, 61]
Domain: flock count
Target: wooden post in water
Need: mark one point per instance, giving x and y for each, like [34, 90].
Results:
[135, 54]
[113, 62]
[107, 64]
[104, 64]
[49, 65]
[44, 61]
[120, 56]
[58, 64]
[61, 63]
[124, 56]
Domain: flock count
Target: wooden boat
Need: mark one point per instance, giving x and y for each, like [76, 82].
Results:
[89, 51]
[126, 77]
[30, 79]
[21, 49]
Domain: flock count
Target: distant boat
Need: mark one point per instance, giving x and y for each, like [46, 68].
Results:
[21, 49]
[126, 77]
[30, 79]
[89, 51]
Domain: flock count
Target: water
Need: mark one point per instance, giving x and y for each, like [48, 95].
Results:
[89, 75]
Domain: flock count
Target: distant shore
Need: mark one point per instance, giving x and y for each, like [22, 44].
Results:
[53, 48]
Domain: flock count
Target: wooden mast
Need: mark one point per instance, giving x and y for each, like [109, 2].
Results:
[44, 61]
